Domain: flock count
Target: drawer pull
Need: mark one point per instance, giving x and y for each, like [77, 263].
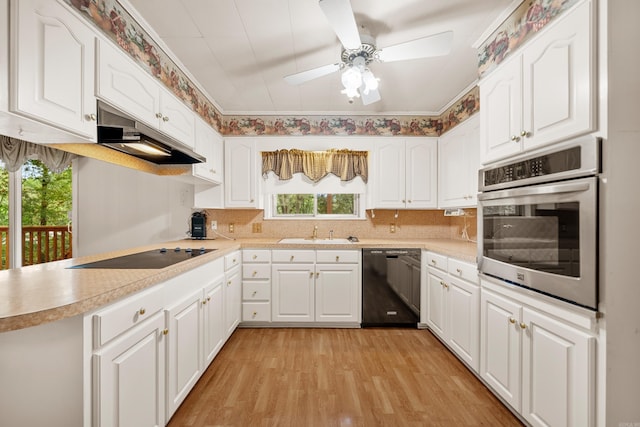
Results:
[228, 282]
[142, 311]
[512, 320]
[459, 271]
[446, 286]
[165, 331]
[433, 261]
[311, 274]
[234, 261]
[165, 119]
[204, 302]
[254, 314]
[337, 258]
[254, 293]
[292, 257]
[442, 283]
[317, 275]
[254, 274]
[158, 115]
[208, 298]
[255, 257]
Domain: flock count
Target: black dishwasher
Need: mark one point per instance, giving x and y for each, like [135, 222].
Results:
[391, 287]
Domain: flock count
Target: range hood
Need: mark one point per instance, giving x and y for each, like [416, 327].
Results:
[123, 133]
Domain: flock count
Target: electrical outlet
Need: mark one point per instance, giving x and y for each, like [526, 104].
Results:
[214, 225]
[256, 227]
[232, 227]
[392, 228]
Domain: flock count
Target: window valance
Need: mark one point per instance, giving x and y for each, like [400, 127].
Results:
[15, 152]
[315, 165]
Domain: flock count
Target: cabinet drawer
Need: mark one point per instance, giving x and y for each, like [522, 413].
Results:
[436, 261]
[256, 255]
[120, 316]
[256, 312]
[256, 271]
[293, 255]
[256, 291]
[231, 260]
[352, 257]
[463, 270]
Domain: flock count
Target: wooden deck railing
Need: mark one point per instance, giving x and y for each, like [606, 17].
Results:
[40, 243]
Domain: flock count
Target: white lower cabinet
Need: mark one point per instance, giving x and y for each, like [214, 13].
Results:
[129, 377]
[542, 366]
[256, 285]
[320, 286]
[232, 292]
[453, 306]
[213, 321]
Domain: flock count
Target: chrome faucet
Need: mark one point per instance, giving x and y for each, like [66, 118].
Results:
[315, 232]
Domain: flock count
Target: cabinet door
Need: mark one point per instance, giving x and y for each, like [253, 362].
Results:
[184, 356]
[500, 350]
[129, 388]
[123, 84]
[208, 144]
[436, 303]
[337, 296]
[213, 330]
[292, 293]
[421, 162]
[558, 80]
[558, 366]
[390, 175]
[463, 330]
[459, 161]
[501, 112]
[177, 119]
[233, 299]
[240, 174]
[54, 73]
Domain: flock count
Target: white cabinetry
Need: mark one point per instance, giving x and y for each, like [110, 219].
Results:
[542, 366]
[129, 361]
[458, 164]
[208, 143]
[53, 68]
[405, 174]
[453, 298]
[124, 85]
[543, 94]
[240, 188]
[292, 279]
[232, 291]
[316, 286]
[256, 285]
[337, 286]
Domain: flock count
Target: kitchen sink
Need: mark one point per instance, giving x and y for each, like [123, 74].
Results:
[310, 241]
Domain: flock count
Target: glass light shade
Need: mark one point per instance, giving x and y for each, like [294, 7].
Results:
[369, 80]
[351, 79]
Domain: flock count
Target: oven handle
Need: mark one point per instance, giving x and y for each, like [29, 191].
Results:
[534, 191]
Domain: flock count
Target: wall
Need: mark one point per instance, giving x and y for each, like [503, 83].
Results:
[120, 208]
[620, 204]
[422, 224]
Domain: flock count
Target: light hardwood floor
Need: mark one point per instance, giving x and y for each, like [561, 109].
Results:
[338, 377]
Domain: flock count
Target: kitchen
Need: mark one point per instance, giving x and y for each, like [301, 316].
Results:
[615, 123]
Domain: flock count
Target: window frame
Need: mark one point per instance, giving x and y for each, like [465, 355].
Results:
[271, 208]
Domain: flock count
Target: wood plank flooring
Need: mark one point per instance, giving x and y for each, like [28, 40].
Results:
[339, 377]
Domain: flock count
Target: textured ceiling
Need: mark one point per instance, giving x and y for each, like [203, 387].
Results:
[240, 50]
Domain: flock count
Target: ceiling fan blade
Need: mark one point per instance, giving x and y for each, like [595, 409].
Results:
[435, 45]
[314, 73]
[371, 97]
[340, 15]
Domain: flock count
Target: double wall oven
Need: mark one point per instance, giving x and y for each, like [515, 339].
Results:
[538, 221]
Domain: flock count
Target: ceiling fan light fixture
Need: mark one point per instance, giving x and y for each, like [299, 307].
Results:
[369, 81]
[351, 80]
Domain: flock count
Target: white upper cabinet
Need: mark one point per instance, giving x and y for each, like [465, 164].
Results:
[52, 70]
[405, 174]
[125, 85]
[545, 93]
[240, 173]
[458, 164]
[210, 145]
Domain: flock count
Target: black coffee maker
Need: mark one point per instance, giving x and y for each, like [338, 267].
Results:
[199, 225]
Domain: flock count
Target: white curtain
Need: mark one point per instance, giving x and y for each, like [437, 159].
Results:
[15, 152]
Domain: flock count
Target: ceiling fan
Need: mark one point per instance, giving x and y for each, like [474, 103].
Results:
[358, 51]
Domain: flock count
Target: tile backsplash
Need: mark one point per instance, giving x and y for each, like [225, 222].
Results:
[409, 224]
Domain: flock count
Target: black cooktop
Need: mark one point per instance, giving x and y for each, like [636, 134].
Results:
[153, 259]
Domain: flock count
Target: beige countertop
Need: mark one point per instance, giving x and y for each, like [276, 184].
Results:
[43, 293]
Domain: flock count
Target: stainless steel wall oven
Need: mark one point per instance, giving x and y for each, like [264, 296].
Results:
[538, 221]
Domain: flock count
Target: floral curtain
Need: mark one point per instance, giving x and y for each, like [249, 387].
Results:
[315, 165]
[15, 152]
